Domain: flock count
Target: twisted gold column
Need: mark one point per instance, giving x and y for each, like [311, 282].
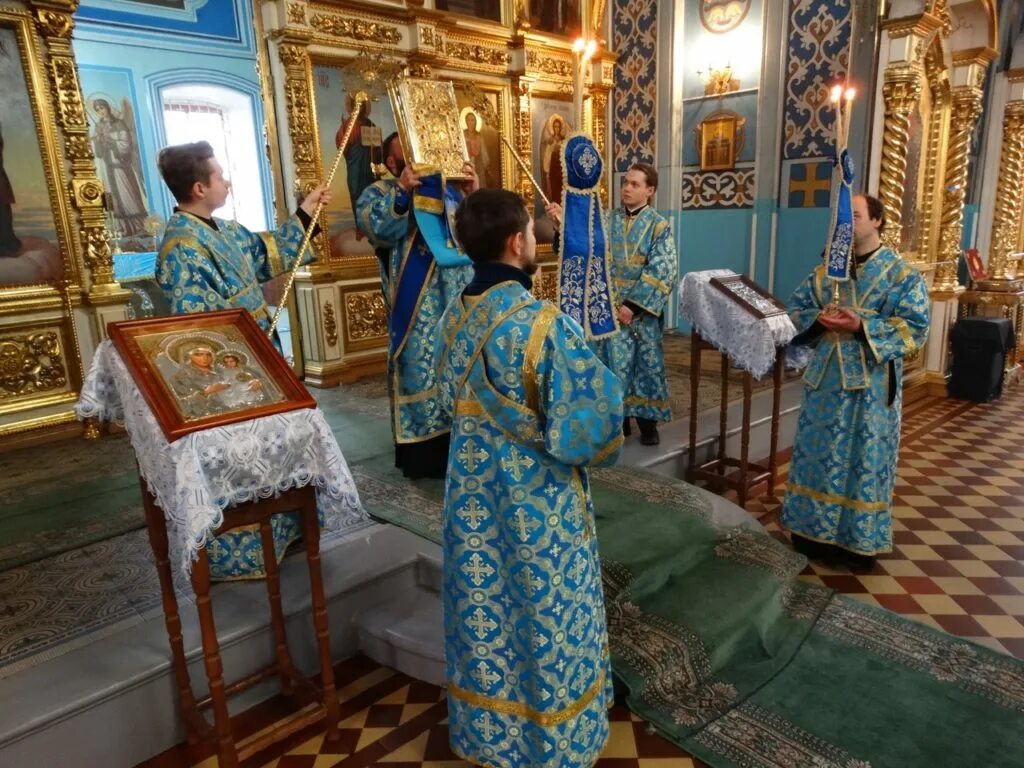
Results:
[965, 113]
[901, 91]
[1008, 192]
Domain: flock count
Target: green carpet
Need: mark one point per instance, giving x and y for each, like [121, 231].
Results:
[92, 493]
[735, 659]
[56, 498]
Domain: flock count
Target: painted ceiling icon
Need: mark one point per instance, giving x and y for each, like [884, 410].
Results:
[720, 16]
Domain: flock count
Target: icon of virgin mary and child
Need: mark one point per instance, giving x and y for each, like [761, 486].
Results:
[207, 382]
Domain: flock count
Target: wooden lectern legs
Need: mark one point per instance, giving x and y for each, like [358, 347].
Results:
[748, 474]
[315, 705]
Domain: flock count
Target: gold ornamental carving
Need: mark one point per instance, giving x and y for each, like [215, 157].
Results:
[292, 54]
[421, 70]
[296, 13]
[901, 92]
[88, 193]
[966, 109]
[55, 24]
[548, 65]
[67, 92]
[31, 363]
[79, 148]
[1008, 192]
[930, 202]
[330, 325]
[479, 54]
[365, 315]
[545, 283]
[356, 29]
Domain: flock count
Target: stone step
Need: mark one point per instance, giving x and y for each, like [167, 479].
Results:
[406, 633]
[671, 456]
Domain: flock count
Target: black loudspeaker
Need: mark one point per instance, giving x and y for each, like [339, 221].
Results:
[980, 345]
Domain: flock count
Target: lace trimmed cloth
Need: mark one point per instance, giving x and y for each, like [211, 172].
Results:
[750, 342]
[197, 476]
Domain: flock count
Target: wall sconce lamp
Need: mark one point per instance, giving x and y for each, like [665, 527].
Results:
[718, 82]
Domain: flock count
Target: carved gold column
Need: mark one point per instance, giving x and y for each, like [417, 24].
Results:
[901, 92]
[966, 109]
[1008, 192]
[599, 130]
[53, 19]
[293, 53]
[522, 132]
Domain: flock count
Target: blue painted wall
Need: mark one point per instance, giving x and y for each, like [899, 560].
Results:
[141, 48]
[800, 240]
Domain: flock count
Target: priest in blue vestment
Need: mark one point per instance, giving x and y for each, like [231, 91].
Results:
[529, 681]
[205, 264]
[408, 220]
[838, 502]
[643, 268]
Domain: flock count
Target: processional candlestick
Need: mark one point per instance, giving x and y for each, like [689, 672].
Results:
[365, 79]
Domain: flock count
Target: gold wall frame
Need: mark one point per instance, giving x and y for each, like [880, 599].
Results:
[49, 317]
[53, 190]
[720, 138]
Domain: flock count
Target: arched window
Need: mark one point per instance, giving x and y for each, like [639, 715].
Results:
[226, 118]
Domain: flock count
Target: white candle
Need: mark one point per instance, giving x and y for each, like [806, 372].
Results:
[577, 82]
[848, 112]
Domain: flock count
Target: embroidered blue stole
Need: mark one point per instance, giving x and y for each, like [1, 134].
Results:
[839, 252]
[584, 290]
[433, 208]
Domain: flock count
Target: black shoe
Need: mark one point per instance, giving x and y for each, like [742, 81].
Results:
[858, 562]
[815, 550]
[626, 429]
[648, 432]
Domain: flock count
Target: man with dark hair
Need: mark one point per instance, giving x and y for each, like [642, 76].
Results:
[207, 263]
[643, 270]
[532, 407]
[407, 219]
[839, 497]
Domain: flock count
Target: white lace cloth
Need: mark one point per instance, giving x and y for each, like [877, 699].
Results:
[750, 342]
[197, 476]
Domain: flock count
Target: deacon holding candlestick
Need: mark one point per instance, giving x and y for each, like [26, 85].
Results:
[858, 315]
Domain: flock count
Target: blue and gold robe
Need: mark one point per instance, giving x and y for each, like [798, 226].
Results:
[843, 468]
[525, 636]
[644, 268]
[384, 213]
[201, 269]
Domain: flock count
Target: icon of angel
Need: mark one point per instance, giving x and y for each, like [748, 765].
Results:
[118, 162]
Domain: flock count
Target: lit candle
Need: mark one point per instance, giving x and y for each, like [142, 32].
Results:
[577, 81]
[836, 97]
[848, 112]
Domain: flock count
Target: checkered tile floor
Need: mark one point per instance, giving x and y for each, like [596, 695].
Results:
[958, 565]
[390, 720]
[958, 524]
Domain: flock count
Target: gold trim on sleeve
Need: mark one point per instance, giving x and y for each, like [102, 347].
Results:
[273, 254]
[661, 285]
[531, 357]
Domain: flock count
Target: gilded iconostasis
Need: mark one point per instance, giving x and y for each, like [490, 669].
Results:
[728, 98]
